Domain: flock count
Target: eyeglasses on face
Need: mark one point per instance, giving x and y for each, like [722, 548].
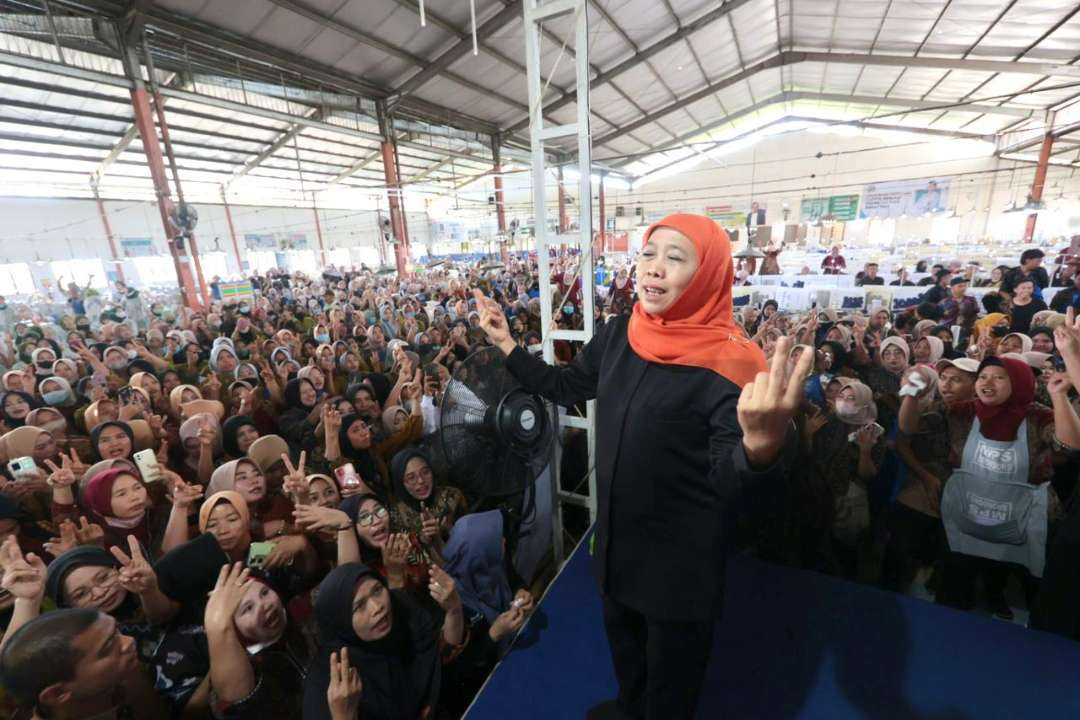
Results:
[367, 519]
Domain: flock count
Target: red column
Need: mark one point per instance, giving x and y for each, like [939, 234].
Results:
[108, 233]
[397, 222]
[193, 249]
[318, 231]
[232, 232]
[563, 220]
[1040, 180]
[144, 122]
[500, 203]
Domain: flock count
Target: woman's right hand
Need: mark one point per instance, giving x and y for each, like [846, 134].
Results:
[346, 688]
[507, 623]
[493, 322]
[316, 517]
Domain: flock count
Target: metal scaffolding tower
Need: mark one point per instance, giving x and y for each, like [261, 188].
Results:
[535, 14]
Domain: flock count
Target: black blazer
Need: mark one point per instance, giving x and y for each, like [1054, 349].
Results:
[671, 472]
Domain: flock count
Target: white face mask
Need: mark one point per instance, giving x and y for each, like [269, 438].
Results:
[846, 408]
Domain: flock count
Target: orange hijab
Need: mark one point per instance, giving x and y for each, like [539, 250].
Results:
[699, 329]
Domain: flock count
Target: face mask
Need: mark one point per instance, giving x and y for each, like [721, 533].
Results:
[322, 339]
[409, 314]
[116, 364]
[121, 316]
[54, 397]
[244, 354]
[846, 408]
[568, 310]
[45, 365]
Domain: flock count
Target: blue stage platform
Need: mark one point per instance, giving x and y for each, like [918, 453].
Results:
[796, 644]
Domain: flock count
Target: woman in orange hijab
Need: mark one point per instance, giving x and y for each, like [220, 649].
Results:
[691, 425]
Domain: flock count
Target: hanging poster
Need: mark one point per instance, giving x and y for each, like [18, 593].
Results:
[905, 197]
[235, 291]
[136, 247]
[726, 216]
[841, 208]
[255, 241]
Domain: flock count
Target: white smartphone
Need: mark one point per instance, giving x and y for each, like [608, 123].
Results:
[23, 468]
[146, 462]
[347, 476]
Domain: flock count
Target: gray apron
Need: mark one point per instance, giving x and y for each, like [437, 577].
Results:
[990, 509]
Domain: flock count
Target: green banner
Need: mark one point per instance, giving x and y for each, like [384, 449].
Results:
[841, 208]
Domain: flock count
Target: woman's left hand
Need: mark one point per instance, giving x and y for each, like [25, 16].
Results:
[443, 589]
[768, 404]
[1059, 384]
[525, 600]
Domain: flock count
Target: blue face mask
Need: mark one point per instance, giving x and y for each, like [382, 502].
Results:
[322, 339]
[54, 397]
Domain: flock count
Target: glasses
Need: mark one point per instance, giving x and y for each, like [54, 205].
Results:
[415, 477]
[101, 584]
[368, 519]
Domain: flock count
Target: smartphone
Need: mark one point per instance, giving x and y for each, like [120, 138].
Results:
[431, 370]
[23, 468]
[146, 462]
[347, 476]
[257, 553]
[125, 394]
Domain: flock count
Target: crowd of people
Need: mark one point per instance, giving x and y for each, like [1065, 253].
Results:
[233, 513]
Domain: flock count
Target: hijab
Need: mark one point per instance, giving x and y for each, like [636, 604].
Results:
[97, 497]
[20, 441]
[230, 497]
[865, 409]
[401, 672]
[474, 558]
[351, 507]
[57, 425]
[699, 329]
[95, 434]
[229, 431]
[77, 557]
[292, 393]
[898, 342]
[397, 474]
[65, 388]
[361, 458]
[177, 393]
[268, 450]
[1026, 343]
[1001, 422]
[937, 349]
[983, 326]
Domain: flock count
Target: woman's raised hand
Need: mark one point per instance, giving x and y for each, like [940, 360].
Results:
[493, 322]
[769, 402]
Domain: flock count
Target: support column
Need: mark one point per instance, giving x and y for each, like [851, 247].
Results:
[500, 204]
[318, 231]
[563, 220]
[108, 233]
[601, 246]
[232, 232]
[193, 249]
[144, 123]
[393, 193]
[1040, 175]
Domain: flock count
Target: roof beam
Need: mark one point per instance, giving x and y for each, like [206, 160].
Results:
[788, 58]
[640, 57]
[790, 97]
[504, 17]
[279, 142]
[360, 36]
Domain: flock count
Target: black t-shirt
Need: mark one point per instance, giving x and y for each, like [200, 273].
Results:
[1022, 314]
[871, 281]
[935, 294]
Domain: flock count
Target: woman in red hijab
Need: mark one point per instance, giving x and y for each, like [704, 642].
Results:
[691, 425]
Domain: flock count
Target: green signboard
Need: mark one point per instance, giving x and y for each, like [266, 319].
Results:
[842, 208]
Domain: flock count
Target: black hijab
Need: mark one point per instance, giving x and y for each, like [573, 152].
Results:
[292, 393]
[351, 507]
[230, 429]
[397, 474]
[95, 434]
[361, 459]
[401, 672]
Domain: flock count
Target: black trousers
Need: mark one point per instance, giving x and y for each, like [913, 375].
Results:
[659, 665]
